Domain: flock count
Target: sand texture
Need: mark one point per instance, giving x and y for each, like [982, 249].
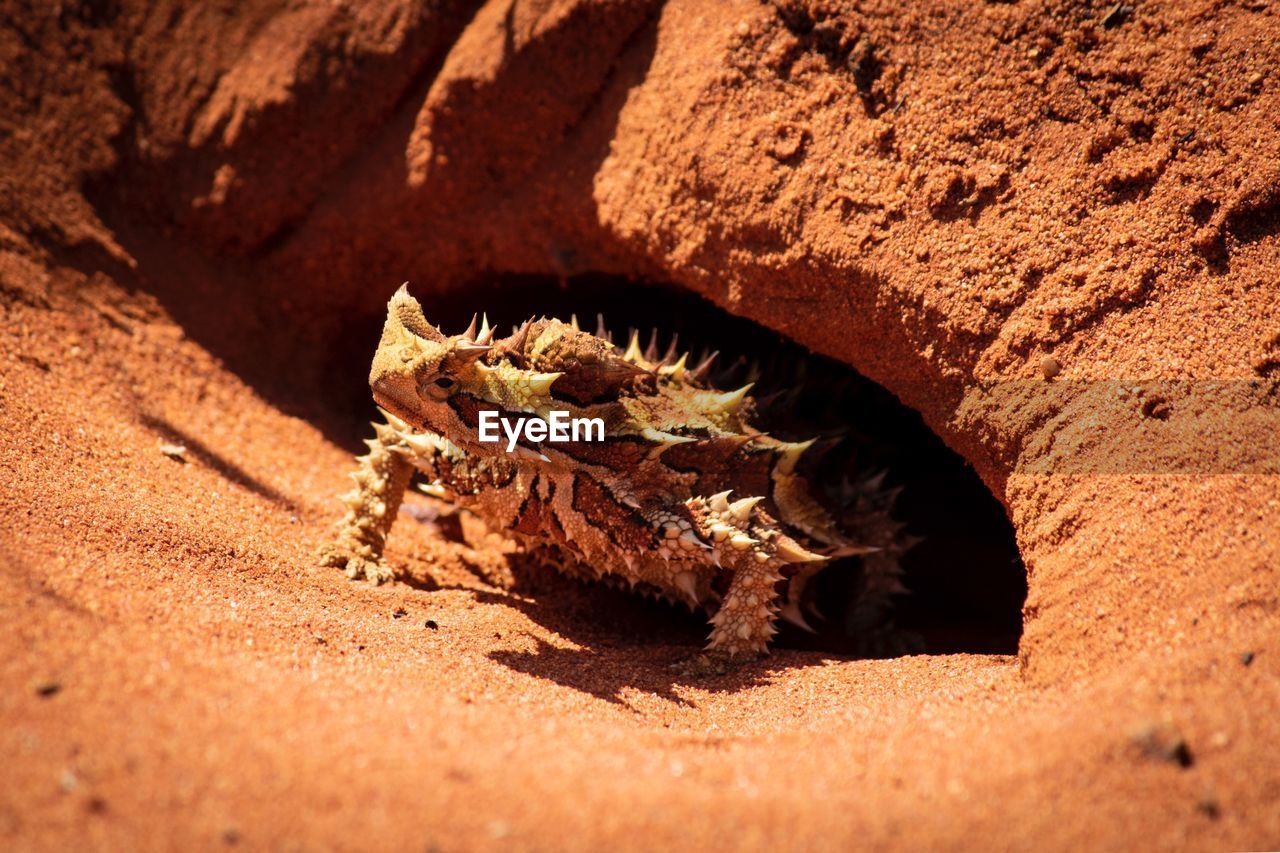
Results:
[1052, 228]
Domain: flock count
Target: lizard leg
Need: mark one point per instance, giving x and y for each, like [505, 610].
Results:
[748, 542]
[744, 623]
[381, 479]
[870, 617]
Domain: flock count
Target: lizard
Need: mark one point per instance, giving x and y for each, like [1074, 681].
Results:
[683, 497]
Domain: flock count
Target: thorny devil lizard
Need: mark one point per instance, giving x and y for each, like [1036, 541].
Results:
[683, 497]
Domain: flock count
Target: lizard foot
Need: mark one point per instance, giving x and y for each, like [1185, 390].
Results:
[357, 566]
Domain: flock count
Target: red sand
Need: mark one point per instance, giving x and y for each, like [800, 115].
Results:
[196, 202]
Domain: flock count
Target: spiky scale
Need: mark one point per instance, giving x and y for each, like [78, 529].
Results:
[741, 509]
[726, 403]
[651, 349]
[633, 353]
[675, 371]
[703, 370]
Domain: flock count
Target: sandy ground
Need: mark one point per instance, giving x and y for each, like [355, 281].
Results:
[201, 210]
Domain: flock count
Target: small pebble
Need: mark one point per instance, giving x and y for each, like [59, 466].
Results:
[48, 688]
[1246, 658]
[1163, 742]
[432, 624]
[399, 612]
[1049, 367]
[1208, 806]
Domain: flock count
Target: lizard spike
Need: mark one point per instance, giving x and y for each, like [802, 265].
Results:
[691, 537]
[467, 351]
[719, 530]
[573, 323]
[729, 402]
[720, 501]
[601, 330]
[741, 541]
[663, 441]
[519, 338]
[788, 549]
[851, 551]
[485, 335]
[422, 443]
[741, 509]
[470, 333]
[396, 423]
[789, 454]
[874, 482]
[515, 345]
[700, 372]
[651, 351]
[540, 383]
[633, 348]
[672, 349]
[688, 585]
[675, 371]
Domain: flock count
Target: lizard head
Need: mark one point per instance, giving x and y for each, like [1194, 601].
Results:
[440, 383]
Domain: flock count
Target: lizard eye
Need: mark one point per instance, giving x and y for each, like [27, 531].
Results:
[438, 388]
